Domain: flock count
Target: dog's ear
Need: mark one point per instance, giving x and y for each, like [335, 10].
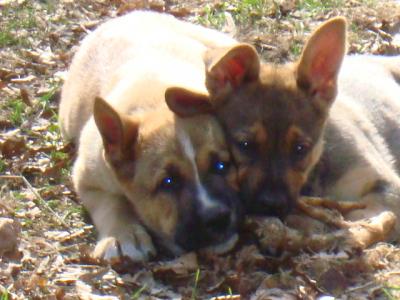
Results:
[119, 133]
[320, 62]
[228, 69]
[186, 103]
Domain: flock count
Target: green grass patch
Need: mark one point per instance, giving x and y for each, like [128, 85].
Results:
[16, 108]
[4, 296]
[250, 10]
[7, 38]
[17, 22]
[58, 155]
[17, 195]
[76, 209]
[47, 98]
[17, 112]
[296, 47]
[243, 12]
[388, 292]
[213, 17]
[53, 204]
[3, 166]
[53, 127]
[314, 6]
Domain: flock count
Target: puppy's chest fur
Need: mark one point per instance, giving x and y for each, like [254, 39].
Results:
[362, 136]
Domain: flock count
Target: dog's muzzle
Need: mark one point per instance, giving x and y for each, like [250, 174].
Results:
[209, 227]
[269, 203]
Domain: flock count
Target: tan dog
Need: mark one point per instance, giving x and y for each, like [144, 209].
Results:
[311, 125]
[140, 168]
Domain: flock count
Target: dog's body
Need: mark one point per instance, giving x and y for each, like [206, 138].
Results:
[136, 34]
[140, 168]
[361, 157]
[289, 134]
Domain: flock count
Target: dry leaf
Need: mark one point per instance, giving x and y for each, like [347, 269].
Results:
[9, 235]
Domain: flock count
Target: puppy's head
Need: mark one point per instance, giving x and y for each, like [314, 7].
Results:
[274, 116]
[176, 171]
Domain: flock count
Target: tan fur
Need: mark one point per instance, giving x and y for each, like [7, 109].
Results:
[130, 36]
[131, 62]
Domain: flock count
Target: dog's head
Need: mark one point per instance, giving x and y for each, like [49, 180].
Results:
[176, 171]
[274, 116]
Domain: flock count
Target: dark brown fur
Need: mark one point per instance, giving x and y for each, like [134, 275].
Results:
[274, 119]
[305, 127]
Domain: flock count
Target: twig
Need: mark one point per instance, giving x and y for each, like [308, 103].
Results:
[37, 195]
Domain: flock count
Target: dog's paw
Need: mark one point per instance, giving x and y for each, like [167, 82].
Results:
[364, 233]
[134, 247]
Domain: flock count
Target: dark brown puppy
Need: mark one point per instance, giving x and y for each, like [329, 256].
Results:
[311, 123]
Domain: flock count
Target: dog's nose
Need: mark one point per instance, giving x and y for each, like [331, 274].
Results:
[270, 204]
[216, 219]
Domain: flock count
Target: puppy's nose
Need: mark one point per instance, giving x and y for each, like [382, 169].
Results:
[216, 219]
[271, 204]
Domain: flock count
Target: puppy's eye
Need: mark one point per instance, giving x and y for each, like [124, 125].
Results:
[300, 150]
[220, 167]
[245, 146]
[169, 183]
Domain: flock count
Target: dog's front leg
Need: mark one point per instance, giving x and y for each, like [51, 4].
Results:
[120, 234]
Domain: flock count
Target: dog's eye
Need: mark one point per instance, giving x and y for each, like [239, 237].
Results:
[300, 150]
[245, 146]
[169, 183]
[220, 167]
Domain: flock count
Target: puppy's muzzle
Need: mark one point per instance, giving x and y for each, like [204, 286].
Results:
[216, 219]
[208, 226]
[271, 203]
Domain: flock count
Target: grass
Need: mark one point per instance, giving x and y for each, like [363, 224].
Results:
[58, 155]
[295, 48]
[20, 19]
[3, 166]
[230, 293]
[138, 292]
[75, 210]
[53, 203]
[4, 295]
[388, 292]
[17, 107]
[196, 282]
[245, 11]
[18, 110]
[212, 17]
[46, 99]
[251, 10]
[319, 6]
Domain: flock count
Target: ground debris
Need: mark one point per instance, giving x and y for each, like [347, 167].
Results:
[9, 235]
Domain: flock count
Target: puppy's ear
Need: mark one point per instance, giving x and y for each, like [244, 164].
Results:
[119, 133]
[320, 62]
[186, 103]
[228, 69]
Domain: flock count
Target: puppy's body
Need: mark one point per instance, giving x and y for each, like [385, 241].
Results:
[139, 34]
[141, 169]
[361, 157]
